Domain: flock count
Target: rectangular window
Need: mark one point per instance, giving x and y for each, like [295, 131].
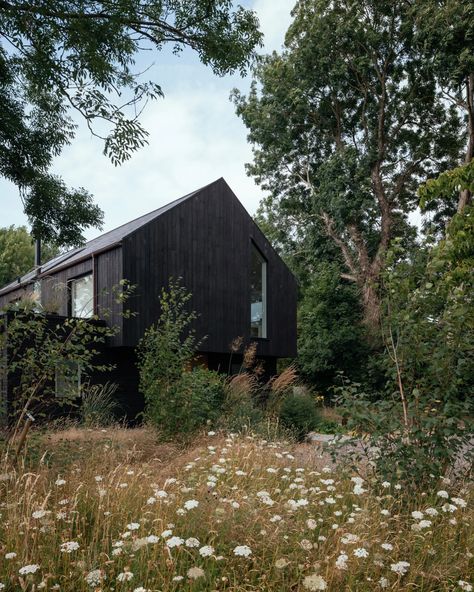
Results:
[258, 294]
[68, 380]
[37, 292]
[82, 297]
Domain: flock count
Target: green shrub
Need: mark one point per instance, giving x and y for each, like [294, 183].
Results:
[187, 404]
[299, 413]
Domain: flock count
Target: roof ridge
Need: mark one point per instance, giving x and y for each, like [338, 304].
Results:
[63, 257]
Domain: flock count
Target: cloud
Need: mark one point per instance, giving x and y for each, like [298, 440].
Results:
[195, 138]
[275, 18]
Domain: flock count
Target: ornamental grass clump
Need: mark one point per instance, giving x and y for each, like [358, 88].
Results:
[228, 513]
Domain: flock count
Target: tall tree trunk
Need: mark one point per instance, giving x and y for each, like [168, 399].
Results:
[465, 196]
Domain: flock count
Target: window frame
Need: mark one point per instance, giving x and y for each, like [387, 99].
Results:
[264, 278]
[70, 283]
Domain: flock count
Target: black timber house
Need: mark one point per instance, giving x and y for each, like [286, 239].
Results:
[240, 286]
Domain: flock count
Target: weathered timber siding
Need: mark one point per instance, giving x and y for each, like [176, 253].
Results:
[206, 240]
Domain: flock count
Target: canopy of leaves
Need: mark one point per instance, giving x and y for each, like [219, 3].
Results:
[57, 56]
[345, 124]
[17, 253]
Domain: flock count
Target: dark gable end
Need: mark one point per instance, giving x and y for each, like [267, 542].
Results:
[206, 240]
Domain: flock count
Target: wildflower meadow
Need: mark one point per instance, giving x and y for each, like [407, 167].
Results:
[110, 510]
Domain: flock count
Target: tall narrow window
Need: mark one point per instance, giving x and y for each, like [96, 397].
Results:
[82, 297]
[258, 294]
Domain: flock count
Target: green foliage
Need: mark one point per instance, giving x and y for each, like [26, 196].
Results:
[98, 406]
[17, 252]
[423, 423]
[178, 401]
[59, 57]
[189, 403]
[345, 123]
[331, 335]
[39, 351]
[447, 185]
[167, 347]
[299, 413]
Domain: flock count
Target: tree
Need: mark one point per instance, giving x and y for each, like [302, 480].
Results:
[444, 34]
[60, 56]
[17, 253]
[345, 124]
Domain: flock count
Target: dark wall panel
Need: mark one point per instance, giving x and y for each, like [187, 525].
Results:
[108, 272]
[206, 240]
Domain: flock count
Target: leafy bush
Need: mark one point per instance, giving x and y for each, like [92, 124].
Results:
[188, 404]
[299, 413]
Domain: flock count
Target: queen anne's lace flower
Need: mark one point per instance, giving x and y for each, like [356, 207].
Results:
[190, 504]
[400, 568]
[206, 551]
[174, 541]
[195, 572]
[242, 551]
[94, 577]
[314, 583]
[69, 547]
[28, 569]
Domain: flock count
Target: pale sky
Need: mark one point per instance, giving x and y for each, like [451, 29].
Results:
[195, 138]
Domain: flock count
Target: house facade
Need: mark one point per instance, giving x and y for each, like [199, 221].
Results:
[240, 286]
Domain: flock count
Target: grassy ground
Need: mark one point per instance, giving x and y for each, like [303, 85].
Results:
[112, 510]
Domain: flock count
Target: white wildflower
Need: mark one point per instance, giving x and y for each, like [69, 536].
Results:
[341, 561]
[174, 541]
[69, 547]
[28, 569]
[195, 572]
[190, 504]
[206, 551]
[360, 552]
[449, 508]
[39, 514]
[314, 583]
[242, 551]
[400, 568]
[442, 493]
[465, 585]
[125, 576]
[94, 577]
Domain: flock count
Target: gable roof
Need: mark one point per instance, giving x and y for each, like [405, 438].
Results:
[102, 242]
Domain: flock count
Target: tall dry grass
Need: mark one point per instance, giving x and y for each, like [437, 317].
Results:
[113, 511]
